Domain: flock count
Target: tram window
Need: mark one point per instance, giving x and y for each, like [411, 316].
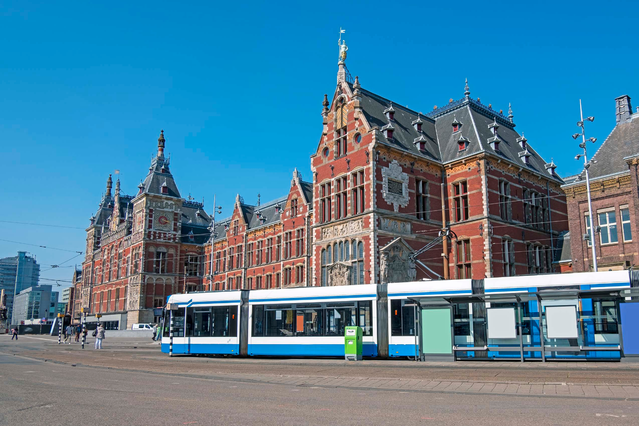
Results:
[308, 320]
[605, 317]
[189, 322]
[202, 322]
[403, 318]
[339, 316]
[326, 319]
[365, 319]
[178, 323]
[167, 318]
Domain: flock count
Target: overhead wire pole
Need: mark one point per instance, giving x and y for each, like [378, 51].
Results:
[582, 145]
[445, 239]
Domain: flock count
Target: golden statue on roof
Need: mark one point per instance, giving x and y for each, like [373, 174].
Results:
[343, 48]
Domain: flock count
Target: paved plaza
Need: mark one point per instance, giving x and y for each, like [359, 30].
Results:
[131, 382]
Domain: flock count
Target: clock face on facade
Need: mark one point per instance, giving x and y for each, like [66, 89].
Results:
[162, 222]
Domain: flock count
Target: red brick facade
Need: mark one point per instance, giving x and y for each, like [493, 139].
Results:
[375, 202]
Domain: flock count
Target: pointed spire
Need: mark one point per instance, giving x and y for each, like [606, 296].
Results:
[258, 200]
[161, 142]
[510, 112]
[466, 90]
[117, 187]
[325, 105]
[356, 86]
[109, 185]
[140, 187]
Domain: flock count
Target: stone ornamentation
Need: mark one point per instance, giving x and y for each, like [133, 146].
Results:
[395, 185]
[339, 274]
[397, 226]
[396, 263]
[343, 230]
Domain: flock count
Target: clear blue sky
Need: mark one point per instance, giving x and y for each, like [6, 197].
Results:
[85, 89]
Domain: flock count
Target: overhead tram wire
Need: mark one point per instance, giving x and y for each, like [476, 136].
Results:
[41, 224]
[41, 246]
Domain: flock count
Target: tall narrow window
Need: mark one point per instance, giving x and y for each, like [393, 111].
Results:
[269, 250]
[236, 227]
[508, 253]
[238, 257]
[587, 225]
[259, 282]
[625, 224]
[504, 200]
[277, 280]
[357, 199]
[421, 187]
[192, 265]
[357, 268]
[463, 259]
[325, 202]
[259, 259]
[527, 206]
[608, 227]
[269, 281]
[299, 242]
[324, 277]
[299, 274]
[230, 258]
[159, 266]
[249, 254]
[460, 193]
[294, 207]
[287, 244]
[341, 192]
[278, 248]
[287, 276]
[340, 142]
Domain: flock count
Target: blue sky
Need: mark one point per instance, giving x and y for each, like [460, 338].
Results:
[237, 86]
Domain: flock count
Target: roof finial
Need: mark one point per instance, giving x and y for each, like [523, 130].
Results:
[510, 112]
[258, 200]
[161, 142]
[343, 48]
[325, 105]
[466, 89]
[109, 186]
[356, 86]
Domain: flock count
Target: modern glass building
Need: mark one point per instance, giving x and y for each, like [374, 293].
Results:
[37, 302]
[16, 274]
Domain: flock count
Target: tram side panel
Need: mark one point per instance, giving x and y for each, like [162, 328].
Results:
[311, 322]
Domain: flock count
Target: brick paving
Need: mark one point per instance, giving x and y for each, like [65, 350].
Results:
[616, 381]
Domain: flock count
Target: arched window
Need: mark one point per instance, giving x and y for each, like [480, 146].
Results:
[357, 271]
[323, 282]
[346, 251]
[335, 253]
[341, 251]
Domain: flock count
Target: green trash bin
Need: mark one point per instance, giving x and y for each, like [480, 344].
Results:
[353, 343]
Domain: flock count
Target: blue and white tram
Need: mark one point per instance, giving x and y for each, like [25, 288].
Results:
[402, 324]
[311, 321]
[204, 323]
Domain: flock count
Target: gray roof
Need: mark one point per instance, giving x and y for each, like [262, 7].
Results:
[159, 175]
[442, 144]
[195, 223]
[562, 248]
[622, 142]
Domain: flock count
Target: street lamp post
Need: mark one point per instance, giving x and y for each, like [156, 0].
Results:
[587, 164]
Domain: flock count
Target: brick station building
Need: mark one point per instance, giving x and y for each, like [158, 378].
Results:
[376, 199]
[614, 188]
[141, 248]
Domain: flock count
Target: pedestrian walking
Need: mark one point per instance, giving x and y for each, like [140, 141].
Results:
[155, 332]
[99, 336]
[68, 332]
[14, 333]
[78, 330]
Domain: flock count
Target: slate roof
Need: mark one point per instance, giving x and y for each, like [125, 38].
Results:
[105, 209]
[437, 131]
[195, 223]
[262, 215]
[562, 248]
[159, 174]
[622, 142]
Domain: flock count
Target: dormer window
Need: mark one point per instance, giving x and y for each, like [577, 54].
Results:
[462, 143]
[390, 112]
[417, 124]
[494, 142]
[420, 143]
[494, 126]
[550, 167]
[388, 130]
[525, 156]
[165, 188]
[456, 125]
[522, 141]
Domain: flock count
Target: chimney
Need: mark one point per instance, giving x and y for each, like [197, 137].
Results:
[623, 108]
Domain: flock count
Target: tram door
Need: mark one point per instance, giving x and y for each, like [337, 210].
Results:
[437, 333]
